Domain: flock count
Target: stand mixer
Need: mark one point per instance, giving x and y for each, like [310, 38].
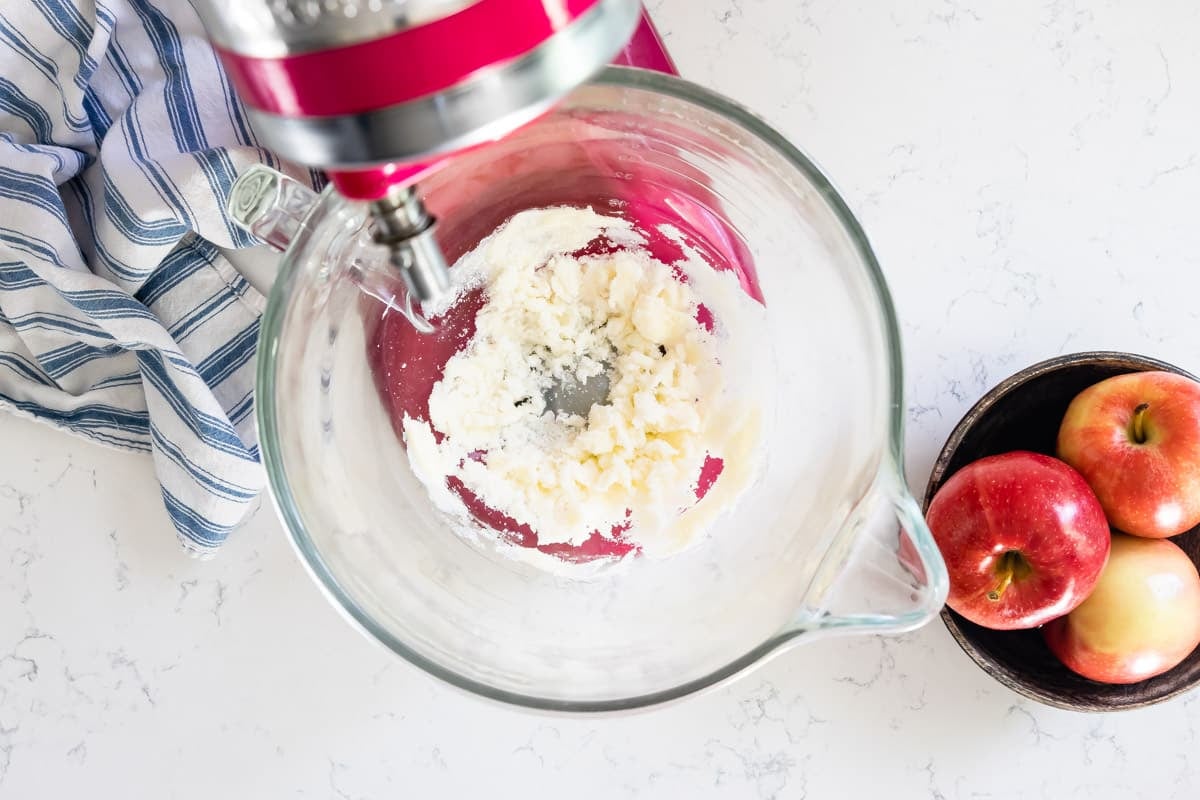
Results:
[379, 93]
[825, 540]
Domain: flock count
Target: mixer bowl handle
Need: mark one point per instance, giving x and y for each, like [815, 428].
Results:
[273, 207]
[269, 205]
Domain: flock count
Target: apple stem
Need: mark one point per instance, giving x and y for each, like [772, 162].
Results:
[1005, 579]
[1139, 423]
[1007, 571]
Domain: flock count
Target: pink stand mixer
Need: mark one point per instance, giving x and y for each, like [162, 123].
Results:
[380, 132]
[379, 93]
[474, 112]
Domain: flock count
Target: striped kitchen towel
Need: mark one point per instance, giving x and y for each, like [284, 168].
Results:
[122, 316]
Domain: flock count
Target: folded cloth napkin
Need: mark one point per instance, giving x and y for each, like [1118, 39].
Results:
[122, 317]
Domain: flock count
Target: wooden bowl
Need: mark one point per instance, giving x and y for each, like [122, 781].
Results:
[1023, 413]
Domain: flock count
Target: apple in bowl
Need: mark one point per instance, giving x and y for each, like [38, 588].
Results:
[1023, 537]
[1141, 619]
[1135, 438]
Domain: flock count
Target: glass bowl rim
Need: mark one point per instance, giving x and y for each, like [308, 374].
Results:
[285, 501]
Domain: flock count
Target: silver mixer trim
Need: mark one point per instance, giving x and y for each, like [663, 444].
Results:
[279, 28]
[405, 227]
[483, 108]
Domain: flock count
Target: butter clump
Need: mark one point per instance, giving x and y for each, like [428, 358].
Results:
[553, 316]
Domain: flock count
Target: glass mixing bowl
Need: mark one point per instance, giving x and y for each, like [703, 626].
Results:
[827, 539]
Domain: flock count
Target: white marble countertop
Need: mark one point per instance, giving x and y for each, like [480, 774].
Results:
[1030, 176]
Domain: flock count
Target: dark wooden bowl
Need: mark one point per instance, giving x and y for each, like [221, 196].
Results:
[1023, 413]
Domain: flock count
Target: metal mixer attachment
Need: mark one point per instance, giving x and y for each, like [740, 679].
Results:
[406, 229]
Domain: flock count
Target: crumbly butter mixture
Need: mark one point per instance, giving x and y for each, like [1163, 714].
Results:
[551, 317]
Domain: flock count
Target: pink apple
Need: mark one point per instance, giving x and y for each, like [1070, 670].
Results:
[1023, 538]
[1136, 440]
[1141, 620]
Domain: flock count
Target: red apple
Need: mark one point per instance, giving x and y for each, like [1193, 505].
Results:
[1141, 620]
[1023, 538]
[1136, 439]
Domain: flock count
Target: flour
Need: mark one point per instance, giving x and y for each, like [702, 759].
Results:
[679, 394]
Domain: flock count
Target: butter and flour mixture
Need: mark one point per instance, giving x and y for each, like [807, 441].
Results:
[560, 313]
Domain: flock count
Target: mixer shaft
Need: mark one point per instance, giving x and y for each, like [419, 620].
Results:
[406, 228]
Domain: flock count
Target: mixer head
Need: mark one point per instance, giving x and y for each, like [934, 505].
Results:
[375, 92]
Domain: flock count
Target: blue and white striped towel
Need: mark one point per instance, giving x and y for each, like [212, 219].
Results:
[122, 316]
